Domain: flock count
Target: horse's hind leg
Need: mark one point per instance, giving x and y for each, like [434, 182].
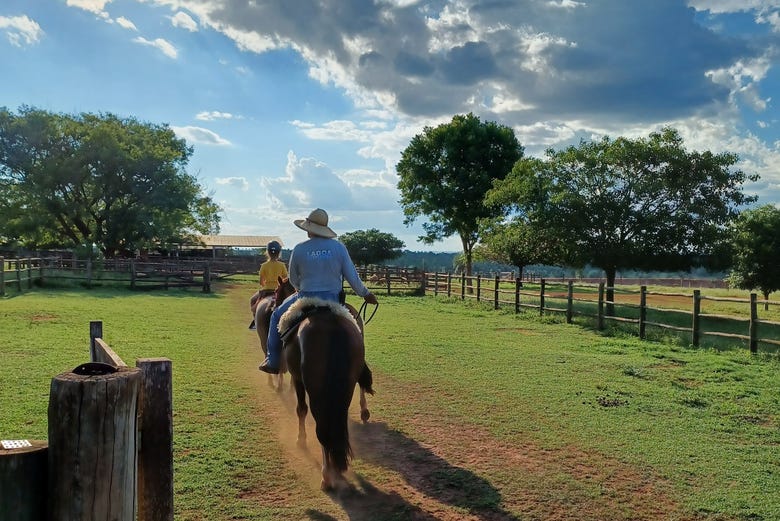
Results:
[301, 410]
[365, 382]
[365, 414]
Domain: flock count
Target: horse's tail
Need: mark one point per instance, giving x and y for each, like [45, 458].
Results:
[366, 380]
[332, 424]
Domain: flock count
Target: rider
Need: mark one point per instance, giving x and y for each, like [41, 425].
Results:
[270, 271]
[318, 267]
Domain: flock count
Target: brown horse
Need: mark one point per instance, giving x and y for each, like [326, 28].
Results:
[263, 309]
[325, 355]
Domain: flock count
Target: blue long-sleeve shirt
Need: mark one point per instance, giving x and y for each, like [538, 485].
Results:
[319, 264]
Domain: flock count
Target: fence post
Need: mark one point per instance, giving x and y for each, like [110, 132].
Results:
[479, 286]
[542, 283]
[696, 318]
[40, 270]
[387, 277]
[495, 294]
[569, 302]
[753, 327]
[2, 276]
[463, 286]
[132, 273]
[23, 481]
[29, 273]
[89, 273]
[207, 278]
[435, 283]
[92, 426]
[642, 311]
[449, 284]
[155, 432]
[518, 281]
[95, 331]
[423, 282]
[600, 318]
[18, 276]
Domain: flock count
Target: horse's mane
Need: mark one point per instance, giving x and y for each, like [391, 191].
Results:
[296, 311]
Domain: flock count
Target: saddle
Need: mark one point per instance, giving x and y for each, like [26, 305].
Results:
[305, 307]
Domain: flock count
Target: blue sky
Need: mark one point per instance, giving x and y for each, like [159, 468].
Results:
[297, 104]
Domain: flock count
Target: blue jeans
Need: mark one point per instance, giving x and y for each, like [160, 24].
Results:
[274, 344]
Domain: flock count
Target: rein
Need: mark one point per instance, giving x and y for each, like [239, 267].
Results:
[362, 312]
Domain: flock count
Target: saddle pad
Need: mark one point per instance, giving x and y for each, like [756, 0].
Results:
[296, 311]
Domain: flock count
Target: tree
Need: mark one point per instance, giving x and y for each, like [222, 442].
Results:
[755, 241]
[97, 179]
[516, 243]
[445, 172]
[371, 246]
[645, 203]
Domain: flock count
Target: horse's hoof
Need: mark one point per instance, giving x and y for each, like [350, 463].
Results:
[326, 486]
[365, 415]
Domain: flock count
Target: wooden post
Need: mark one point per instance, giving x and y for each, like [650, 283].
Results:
[29, 274]
[642, 311]
[2, 276]
[387, 278]
[18, 276]
[155, 455]
[435, 284]
[423, 283]
[463, 286]
[92, 445]
[449, 284]
[753, 326]
[132, 274]
[541, 296]
[518, 282]
[40, 270]
[570, 302]
[600, 317]
[95, 331]
[696, 319]
[495, 294]
[23, 482]
[207, 278]
[479, 286]
[89, 273]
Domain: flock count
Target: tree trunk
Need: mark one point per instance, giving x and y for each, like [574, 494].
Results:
[23, 482]
[92, 445]
[610, 308]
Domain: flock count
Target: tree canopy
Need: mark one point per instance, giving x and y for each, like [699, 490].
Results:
[755, 242]
[445, 172]
[371, 246]
[644, 203]
[118, 183]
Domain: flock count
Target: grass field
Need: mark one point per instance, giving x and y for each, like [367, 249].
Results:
[479, 414]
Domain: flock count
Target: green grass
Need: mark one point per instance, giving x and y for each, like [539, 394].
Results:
[707, 421]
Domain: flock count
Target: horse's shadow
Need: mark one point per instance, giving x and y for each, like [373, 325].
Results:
[430, 474]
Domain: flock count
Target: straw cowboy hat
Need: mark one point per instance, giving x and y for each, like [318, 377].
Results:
[316, 223]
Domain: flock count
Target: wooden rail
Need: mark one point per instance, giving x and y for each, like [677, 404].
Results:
[496, 290]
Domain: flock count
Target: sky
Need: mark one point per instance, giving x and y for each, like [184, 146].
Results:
[292, 105]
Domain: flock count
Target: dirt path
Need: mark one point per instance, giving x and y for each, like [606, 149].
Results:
[428, 467]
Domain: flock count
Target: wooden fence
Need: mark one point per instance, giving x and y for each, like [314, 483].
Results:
[519, 295]
[21, 274]
[110, 446]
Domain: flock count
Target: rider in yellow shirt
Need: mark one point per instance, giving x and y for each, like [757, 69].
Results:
[270, 271]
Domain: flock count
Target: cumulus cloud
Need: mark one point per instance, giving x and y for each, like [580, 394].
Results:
[160, 44]
[127, 24]
[185, 21]
[21, 30]
[236, 182]
[215, 114]
[93, 6]
[199, 135]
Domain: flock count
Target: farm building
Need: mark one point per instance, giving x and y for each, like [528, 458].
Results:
[217, 246]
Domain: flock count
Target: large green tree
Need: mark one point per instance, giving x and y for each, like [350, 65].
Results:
[755, 243]
[371, 246]
[118, 183]
[645, 203]
[445, 172]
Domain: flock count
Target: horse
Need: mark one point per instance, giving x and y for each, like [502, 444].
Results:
[325, 355]
[284, 289]
[263, 308]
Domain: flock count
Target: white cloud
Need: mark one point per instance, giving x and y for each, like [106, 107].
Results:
[93, 6]
[185, 21]
[127, 24]
[163, 45]
[215, 114]
[21, 30]
[236, 182]
[199, 135]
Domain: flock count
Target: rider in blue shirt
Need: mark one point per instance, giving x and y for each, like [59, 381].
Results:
[317, 268]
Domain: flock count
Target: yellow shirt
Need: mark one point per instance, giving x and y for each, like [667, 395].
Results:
[270, 271]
